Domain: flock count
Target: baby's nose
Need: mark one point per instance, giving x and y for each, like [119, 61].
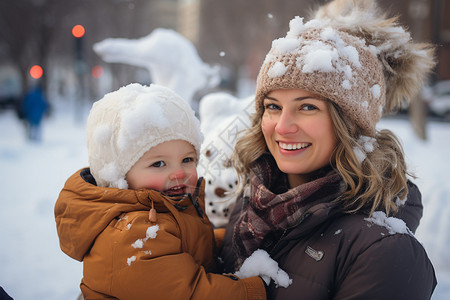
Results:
[177, 174]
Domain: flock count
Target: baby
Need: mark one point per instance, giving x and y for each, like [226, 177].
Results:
[136, 217]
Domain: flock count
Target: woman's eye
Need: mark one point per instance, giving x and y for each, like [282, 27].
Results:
[271, 106]
[308, 107]
[159, 164]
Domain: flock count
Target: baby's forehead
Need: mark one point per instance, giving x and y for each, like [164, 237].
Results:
[170, 148]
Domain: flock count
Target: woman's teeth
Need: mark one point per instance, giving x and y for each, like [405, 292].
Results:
[293, 146]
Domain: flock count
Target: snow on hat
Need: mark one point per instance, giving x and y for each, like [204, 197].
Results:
[125, 124]
[352, 55]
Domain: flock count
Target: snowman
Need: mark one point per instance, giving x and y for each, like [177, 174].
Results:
[223, 117]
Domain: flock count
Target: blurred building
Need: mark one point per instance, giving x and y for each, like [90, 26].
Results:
[235, 34]
[238, 34]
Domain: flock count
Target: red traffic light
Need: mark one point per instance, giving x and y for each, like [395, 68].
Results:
[78, 31]
[97, 71]
[36, 71]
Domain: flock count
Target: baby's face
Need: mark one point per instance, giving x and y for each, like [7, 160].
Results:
[170, 167]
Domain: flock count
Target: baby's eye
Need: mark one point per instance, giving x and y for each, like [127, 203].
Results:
[188, 159]
[159, 164]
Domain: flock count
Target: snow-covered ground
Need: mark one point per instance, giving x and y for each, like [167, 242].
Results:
[33, 267]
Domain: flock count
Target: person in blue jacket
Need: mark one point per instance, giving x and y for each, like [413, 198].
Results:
[34, 107]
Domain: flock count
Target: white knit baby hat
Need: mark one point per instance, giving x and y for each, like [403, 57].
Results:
[125, 124]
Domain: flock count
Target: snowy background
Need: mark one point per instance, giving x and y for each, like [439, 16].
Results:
[32, 266]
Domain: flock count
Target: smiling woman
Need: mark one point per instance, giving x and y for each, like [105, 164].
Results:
[320, 186]
[298, 131]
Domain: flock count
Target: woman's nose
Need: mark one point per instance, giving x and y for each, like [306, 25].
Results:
[286, 124]
[179, 173]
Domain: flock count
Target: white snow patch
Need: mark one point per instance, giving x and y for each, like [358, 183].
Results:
[376, 91]
[130, 260]
[285, 45]
[346, 84]
[278, 69]
[338, 231]
[151, 232]
[348, 72]
[374, 50]
[367, 143]
[138, 244]
[393, 225]
[352, 55]
[146, 114]
[261, 264]
[399, 202]
[360, 155]
[318, 56]
[296, 27]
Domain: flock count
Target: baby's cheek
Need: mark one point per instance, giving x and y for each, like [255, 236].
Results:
[157, 183]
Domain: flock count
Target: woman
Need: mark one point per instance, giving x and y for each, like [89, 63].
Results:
[323, 191]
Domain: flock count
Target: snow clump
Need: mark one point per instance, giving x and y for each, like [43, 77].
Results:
[150, 234]
[296, 27]
[136, 120]
[277, 70]
[261, 264]
[366, 144]
[131, 259]
[393, 225]
[376, 91]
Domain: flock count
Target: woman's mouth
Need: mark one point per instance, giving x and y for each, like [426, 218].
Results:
[293, 146]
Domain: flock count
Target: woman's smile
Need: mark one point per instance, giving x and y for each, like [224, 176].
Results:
[293, 146]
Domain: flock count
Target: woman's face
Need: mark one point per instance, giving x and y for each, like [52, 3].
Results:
[298, 130]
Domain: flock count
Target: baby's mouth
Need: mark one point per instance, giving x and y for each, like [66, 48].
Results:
[175, 190]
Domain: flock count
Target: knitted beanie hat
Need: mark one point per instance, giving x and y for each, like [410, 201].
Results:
[350, 54]
[125, 124]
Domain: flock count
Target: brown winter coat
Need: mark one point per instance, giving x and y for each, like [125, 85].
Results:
[106, 229]
[332, 255]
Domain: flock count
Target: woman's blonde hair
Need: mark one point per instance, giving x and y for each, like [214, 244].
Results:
[376, 183]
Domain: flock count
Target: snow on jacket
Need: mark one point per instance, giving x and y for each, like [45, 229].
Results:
[127, 257]
[332, 255]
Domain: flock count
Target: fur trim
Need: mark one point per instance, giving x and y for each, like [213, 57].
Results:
[406, 64]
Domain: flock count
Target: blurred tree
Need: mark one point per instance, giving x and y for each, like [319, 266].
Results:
[39, 32]
[26, 31]
[238, 34]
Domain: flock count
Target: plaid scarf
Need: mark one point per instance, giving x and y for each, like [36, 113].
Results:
[272, 207]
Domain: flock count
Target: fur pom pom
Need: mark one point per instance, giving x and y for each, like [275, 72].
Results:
[406, 64]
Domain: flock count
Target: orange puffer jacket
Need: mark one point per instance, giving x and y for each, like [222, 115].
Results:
[127, 257]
